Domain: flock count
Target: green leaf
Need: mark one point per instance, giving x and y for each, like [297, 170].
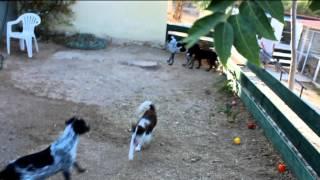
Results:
[219, 5]
[202, 27]
[314, 5]
[245, 40]
[273, 7]
[223, 38]
[256, 14]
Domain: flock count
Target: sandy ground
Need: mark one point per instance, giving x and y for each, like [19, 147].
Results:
[193, 138]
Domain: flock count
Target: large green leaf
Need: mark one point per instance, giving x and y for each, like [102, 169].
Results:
[273, 7]
[219, 5]
[203, 26]
[223, 38]
[256, 14]
[314, 5]
[245, 40]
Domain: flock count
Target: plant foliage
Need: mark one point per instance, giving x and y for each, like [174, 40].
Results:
[51, 13]
[238, 23]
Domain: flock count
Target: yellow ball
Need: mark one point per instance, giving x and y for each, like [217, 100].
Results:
[237, 140]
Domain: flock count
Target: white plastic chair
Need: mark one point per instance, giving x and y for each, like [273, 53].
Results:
[29, 22]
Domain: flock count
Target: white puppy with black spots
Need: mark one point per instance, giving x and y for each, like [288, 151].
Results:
[59, 156]
[142, 130]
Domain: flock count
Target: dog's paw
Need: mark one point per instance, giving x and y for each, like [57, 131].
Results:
[130, 156]
[138, 148]
[82, 170]
[208, 69]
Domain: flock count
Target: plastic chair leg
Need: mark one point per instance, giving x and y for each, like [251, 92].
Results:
[8, 44]
[29, 47]
[21, 42]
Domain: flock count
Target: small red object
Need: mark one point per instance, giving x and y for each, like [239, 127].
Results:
[251, 125]
[281, 168]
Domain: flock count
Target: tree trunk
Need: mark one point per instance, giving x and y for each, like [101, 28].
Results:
[178, 10]
[293, 65]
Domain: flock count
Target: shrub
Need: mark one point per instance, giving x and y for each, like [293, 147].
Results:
[85, 41]
[51, 13]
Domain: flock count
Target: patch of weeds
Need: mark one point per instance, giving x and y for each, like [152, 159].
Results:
[227, 87]
[231, 113]
[228, 109]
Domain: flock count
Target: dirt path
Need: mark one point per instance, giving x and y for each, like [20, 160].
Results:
[193, 139]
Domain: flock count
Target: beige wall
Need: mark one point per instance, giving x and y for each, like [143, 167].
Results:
[135, 20]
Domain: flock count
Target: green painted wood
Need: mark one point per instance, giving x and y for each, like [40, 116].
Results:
[301, 108]
[183, 29]
[295, 163]
[309, 153]
[177, 28]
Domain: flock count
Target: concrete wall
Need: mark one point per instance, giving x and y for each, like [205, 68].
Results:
[130, 20]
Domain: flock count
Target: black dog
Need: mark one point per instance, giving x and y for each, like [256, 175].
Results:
[199, 54]
[59, 156]
[174, 47]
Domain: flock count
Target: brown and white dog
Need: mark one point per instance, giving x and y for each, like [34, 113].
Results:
[142, 130]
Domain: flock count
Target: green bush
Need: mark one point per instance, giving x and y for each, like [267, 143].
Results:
[51, 13]
[84, 41]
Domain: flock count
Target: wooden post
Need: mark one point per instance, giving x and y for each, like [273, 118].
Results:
[293, 65]
[301, 50]
[308, 52]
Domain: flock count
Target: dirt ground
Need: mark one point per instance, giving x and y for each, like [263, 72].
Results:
[193, 138]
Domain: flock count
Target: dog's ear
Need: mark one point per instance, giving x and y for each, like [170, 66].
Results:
[1, 175]
[9, 173]
[133, 128]
[140, 130]
[71, 120]
[80, 127]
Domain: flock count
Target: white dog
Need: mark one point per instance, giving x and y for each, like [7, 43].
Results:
[60, 156]
[142, 130]
[174, 47]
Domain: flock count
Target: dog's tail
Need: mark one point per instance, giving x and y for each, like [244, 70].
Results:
[145, 106]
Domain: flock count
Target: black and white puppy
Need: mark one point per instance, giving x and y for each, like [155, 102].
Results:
[59, 156]
[174, 47]
[196, 53]
[142, 130]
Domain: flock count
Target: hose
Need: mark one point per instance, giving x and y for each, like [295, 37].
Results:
[1, 32]
[4, 21]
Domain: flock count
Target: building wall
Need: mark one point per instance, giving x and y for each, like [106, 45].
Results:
[131, 20]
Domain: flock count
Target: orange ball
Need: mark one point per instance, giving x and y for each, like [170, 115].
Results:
[281, 167]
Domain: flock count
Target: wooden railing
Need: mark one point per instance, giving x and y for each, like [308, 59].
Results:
[299, 154]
